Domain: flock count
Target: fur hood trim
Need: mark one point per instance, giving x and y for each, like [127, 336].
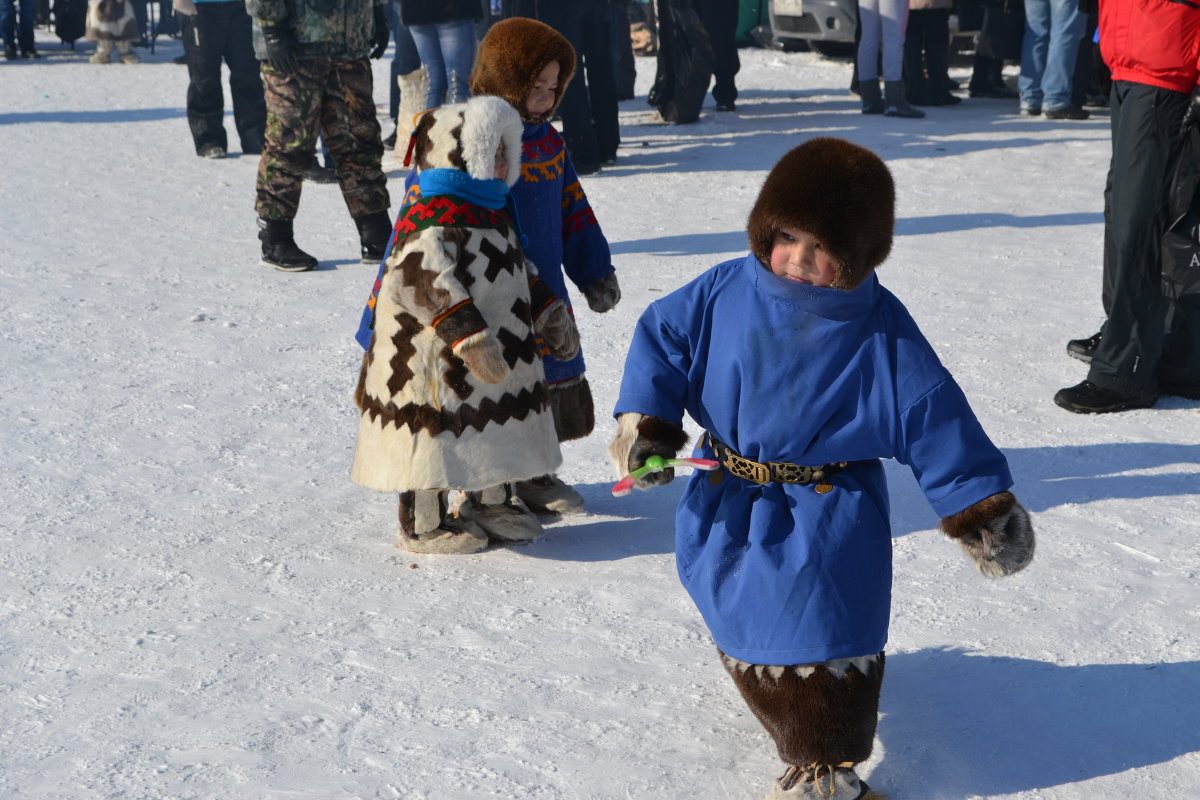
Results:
[839, 192]
[465, 136]
[512, 54]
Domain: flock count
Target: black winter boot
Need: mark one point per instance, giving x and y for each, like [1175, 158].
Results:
[896, 101]
[374, 231]
[279, 248]
[872, 100]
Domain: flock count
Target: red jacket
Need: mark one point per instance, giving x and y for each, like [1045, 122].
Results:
[1155, 42]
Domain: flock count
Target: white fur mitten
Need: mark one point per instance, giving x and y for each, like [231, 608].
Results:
[558, 329]
[640, 436]
[603, 294]
[485, 358]
[995, 532]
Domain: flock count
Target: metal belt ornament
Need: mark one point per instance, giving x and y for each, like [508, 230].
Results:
[775, 471]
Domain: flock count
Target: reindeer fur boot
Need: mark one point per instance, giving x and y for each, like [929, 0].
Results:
[824, 781]
[426, 527]
[549, 495]
[501, 514]
[413, 87]
[822, 717]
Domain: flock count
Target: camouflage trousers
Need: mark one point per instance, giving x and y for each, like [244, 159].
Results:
[322, 96]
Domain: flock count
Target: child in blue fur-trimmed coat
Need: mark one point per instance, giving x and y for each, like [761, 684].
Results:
[529, 64]
[805, 372]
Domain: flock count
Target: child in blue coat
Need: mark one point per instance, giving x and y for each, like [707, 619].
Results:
[529, 64]
[804, 372]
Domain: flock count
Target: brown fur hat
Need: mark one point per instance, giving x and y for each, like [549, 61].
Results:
[512, 54]
[837, 191]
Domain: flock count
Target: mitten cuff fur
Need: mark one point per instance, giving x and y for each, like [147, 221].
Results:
[996, 533]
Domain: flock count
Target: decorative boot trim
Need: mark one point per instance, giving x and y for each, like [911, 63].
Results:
[837, 667]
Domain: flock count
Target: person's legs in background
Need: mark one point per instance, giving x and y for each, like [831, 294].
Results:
[1034, 49]
[245, 79]
[205, 98]
[429, 47]
[405, 61]
[601, 80]
[624, 69]
[720, 19]
[578, 127]
[1066, 31]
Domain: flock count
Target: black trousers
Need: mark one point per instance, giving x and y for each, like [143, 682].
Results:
[1146, 140]
[926, 54]
[720, 18]
[589, 105]
[221, 31]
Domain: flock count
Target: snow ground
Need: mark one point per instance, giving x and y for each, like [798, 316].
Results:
[197, 603]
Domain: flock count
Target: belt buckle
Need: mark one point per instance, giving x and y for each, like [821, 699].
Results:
[750, 470]
[786, 472]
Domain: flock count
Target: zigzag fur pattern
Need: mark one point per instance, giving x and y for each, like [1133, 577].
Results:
[426, 421]
[813, 714]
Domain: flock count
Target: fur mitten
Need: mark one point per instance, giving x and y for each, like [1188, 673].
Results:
[485, 358]
[603, 294]
[639, 437]
[573, 408]
[995, 532]
[558, 329]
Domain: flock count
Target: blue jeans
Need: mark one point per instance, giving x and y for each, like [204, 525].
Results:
[1053, 30]
[448, 53]
[405, 59]
[14, 34]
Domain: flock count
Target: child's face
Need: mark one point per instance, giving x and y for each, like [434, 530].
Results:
[501, 170]
[541, 97]
[798, 256]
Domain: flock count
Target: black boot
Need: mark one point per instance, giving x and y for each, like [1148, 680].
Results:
[1088, 398]
[279, 248]
[374, 231]
[1083, 349]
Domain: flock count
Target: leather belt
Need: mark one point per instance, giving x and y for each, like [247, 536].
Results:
[775, 471]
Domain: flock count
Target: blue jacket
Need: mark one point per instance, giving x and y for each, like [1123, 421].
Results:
[783, 371]
[562, 229]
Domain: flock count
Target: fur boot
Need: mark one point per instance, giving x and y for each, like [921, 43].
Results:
[574, 411]
[825, 781]
[103, 54]
[426, 527]
[896, 101]
[549, 495]
[872, 100]
[501, 514]
[125, 50]
[822, 713]
[413, 87]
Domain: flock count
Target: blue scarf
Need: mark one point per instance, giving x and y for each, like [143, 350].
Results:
[492, 193]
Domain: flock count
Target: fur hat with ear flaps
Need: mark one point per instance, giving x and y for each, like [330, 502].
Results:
[837, 191]
[512, 55]
[465, 136]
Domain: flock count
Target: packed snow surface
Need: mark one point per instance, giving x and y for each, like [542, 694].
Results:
[196, 602]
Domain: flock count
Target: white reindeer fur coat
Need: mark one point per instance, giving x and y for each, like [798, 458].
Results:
[427, 422]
